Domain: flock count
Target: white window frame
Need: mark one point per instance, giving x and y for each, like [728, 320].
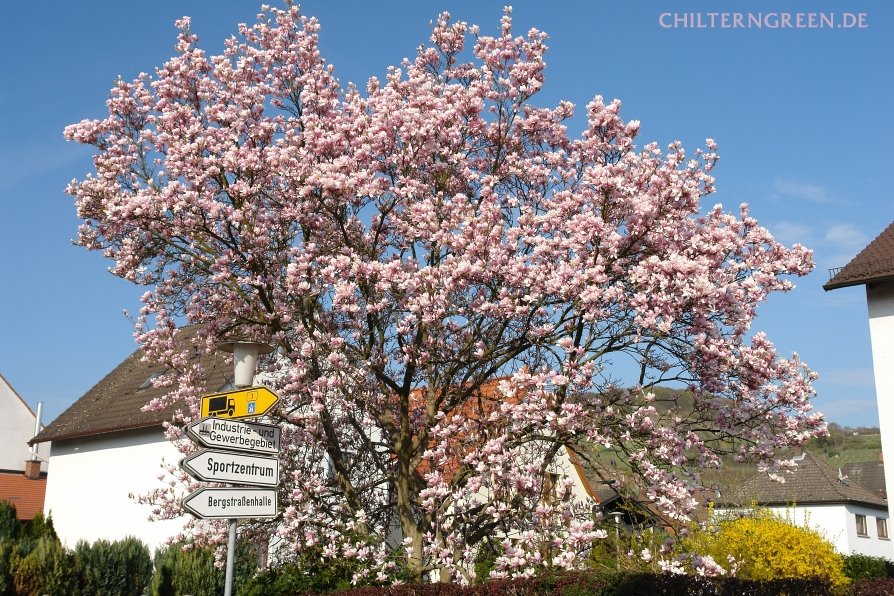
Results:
[862, 527]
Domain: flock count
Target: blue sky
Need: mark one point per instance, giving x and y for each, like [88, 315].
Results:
[802, 117]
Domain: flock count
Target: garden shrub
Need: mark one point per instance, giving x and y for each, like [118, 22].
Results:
[123, 568]
[9, 523]
[857, 566]
[588, 583]
[7, 561]
[183, 569]
[767, 547]
[48, 569]
[312, 573]
[38, 527]
[877, 586]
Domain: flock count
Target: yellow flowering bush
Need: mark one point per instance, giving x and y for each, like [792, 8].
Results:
[764, 546]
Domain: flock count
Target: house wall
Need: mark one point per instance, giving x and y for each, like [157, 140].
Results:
[880, 302]
[16, 429]
[839, 524]
[88, 491]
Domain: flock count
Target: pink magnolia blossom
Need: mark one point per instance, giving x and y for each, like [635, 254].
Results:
[449, 278]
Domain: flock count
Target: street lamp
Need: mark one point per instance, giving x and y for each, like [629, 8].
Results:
[617, 515]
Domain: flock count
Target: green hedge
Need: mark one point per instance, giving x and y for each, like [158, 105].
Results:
[123, 567]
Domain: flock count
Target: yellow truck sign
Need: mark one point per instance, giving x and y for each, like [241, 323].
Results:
[241, 403]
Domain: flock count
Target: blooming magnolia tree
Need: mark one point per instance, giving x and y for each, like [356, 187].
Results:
[452, 283]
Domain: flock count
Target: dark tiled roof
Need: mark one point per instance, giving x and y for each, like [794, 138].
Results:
[868, 474]
[814, 482]
[116, 402]
[27, 495]
[873, 263]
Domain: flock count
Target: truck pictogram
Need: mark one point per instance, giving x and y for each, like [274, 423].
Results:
[221, 405]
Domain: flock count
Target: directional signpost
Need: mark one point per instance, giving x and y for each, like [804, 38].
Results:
[246, 460]
[242, 403]
[231, 503]
[236, 435]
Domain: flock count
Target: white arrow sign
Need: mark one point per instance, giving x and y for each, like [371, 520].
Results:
[238, 468]
[236, 435]
[231, 503]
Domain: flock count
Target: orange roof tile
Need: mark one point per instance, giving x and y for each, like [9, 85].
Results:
[27, 495]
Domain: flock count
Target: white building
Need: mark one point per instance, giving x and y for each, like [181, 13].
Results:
[873, 267]
[105, 449]
[16, 429]
[22, 473]
[816, 495]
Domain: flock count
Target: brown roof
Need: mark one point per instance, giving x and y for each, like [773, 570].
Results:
[868, 474]
[814, 482]
[873, 263]
[27, 495]
[116, 402]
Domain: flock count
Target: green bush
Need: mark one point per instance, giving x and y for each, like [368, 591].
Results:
[9, 524]
[858, 566]
[7, 561]
[38, 527]
[183, 569]
[312, 573]
[122, 568]
[48, 569]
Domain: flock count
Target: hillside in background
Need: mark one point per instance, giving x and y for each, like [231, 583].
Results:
[842, 445]
[845, 445]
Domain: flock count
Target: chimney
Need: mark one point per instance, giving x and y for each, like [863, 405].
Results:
[32, 469]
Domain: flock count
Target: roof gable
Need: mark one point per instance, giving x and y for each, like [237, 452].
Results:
[813, 482]
[873, 263]
[116, 402]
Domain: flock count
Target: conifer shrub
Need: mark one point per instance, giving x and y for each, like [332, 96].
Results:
[184, 569]
[9, 523]
[38, 527]
[123, 567]
[48, 569]
[7, 560]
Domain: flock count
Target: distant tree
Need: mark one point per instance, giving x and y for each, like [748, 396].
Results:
[449, 279]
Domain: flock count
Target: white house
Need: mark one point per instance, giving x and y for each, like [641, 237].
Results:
[105, 449]
[873, 267]
[816, 495]
[22, 473]
[16, 429]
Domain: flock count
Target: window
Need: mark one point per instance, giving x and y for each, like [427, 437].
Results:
[149, 382]
[881, 527]
[861, 525]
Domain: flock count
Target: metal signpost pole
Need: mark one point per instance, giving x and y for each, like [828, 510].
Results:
[245, 356]
[231, 551]
[246, 456]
